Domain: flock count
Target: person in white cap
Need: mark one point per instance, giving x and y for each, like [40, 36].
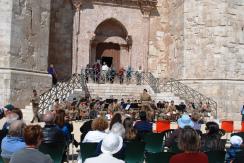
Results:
[236, 142]
[111, 144]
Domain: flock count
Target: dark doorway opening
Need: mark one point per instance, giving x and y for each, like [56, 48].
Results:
[109, 53]
[107, 60]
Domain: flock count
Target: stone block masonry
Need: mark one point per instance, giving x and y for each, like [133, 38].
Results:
[24, 43]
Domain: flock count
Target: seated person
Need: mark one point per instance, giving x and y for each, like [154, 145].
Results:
[111, 144]
[51, 132]
[236, 142]
[99, 125]
[130, 132]
[33, 138]
[87, 126]
[185, 120]
[211, 140]
[117, 129]
[189, 142]
[143, 126]
[14, 141]
[59, 120]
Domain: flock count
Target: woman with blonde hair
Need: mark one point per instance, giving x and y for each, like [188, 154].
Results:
[99, 125]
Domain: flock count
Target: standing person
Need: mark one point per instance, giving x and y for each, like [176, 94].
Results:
[139, 75]
[242, 113]
[87, 72]
[104, 71]
[128, 75]
[97, 70]
[35, 100]
[51, 70]
[145, 98]
[121, 75]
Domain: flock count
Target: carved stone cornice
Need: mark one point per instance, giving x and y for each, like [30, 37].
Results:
[146, 6]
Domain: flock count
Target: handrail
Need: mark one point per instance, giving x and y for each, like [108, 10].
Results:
[77, 81]
[62, 90]
[164, 85]
[188, 94]
[111, 76]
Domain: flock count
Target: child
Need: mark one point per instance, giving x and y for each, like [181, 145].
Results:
[235, 147]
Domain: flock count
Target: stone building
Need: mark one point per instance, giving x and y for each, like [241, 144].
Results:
[198, 42]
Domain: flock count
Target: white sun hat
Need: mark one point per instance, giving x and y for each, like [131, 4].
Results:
[236, 140]
[112, 143]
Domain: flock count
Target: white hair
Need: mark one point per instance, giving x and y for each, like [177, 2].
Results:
[118, 129]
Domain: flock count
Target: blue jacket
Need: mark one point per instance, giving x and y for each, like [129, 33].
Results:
[11, 145]
[143, 126]
[231, 153]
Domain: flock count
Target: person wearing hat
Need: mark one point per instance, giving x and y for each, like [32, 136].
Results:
[111, 144]
[236, 142]
[211, 140]
[10, 115]
[185, 120]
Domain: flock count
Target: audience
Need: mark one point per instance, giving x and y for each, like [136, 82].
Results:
[117, 129]
[87, 126]
[62, 125]
[236, 142]
[33, 138]
[210, 141]
[195, 117]
[10, 116]
[117, 118]
[189, 142]
[143, 126]
[51, 132]
[111, 144]
[185, 120]
[99, 125]
[130, 132]
[14, 141]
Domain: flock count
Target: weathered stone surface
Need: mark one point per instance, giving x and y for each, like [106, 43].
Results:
[24, 42]
[60, 44]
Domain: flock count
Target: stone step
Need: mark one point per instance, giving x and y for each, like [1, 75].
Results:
[27, 113]
[126, 91]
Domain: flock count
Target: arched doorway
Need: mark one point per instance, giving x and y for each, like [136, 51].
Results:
[109, 44]
[109, 53]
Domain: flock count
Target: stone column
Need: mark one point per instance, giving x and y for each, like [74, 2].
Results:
[76, 26]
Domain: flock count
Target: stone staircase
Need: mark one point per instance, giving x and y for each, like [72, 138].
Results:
[119, 91]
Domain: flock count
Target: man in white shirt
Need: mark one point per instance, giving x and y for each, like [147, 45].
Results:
[111, 144]
[104, 71]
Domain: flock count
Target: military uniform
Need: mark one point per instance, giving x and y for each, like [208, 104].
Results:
[35, 107]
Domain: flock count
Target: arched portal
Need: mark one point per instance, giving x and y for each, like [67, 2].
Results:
[110, 44]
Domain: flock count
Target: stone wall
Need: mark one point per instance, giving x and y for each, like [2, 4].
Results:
[213, 52]
[5, 31]
[60, 44]
[200, 42]
[166, 39]
[30, 34]
[136, 24]
[24, 44]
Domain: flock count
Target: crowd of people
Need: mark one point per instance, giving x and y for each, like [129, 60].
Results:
[112, 124]
[105, 74]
